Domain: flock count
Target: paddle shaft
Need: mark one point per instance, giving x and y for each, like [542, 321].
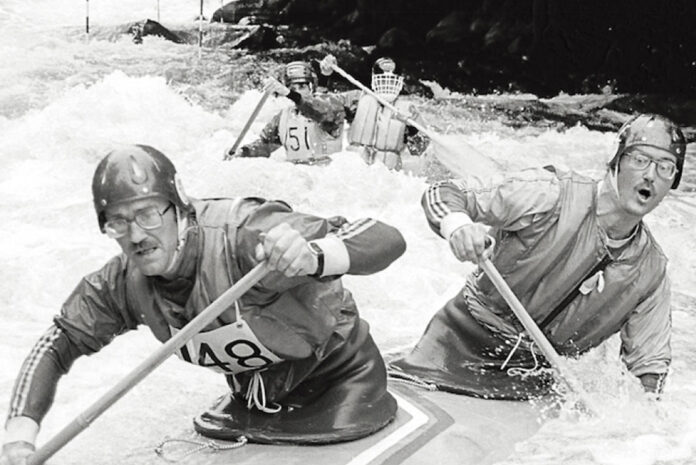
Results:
[432, 135]
[533, 330]
[213, 310]
[246, 127]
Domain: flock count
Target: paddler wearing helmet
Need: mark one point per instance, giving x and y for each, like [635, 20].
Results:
[576, 253]
[377, 132]
[299, 361]
[310, 130]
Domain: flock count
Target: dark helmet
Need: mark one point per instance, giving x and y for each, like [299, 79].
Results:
[652, 131]
[132, 173]
[299, 71]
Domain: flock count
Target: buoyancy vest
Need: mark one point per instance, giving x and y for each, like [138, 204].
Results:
[544, 262]
[305, 322]
[303, 138]
[376, 126]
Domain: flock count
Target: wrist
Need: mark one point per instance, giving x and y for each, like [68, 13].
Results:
[336, 257]
[452, 222]
[21, 429]
[319, 255]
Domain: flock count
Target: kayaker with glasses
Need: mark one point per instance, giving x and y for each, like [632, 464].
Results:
[577, 254]
[300, 362]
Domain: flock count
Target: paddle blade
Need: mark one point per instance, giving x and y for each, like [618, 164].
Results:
[462, 159]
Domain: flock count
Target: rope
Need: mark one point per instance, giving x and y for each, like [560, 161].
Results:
[256, 395]
[520, 371]
[200, 446]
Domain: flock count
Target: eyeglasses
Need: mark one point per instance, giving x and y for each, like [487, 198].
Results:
[148, 218]
[666, 169]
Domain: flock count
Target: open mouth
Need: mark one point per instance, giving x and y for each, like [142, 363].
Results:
[644, 194]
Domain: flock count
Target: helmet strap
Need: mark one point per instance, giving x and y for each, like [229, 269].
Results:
[182, 225]
[613, 178]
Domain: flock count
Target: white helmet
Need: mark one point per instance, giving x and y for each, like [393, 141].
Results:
[385, 82]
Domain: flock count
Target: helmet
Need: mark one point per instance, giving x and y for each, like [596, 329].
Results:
[384, 80]
[132, 173]
[299, 71]
[653, 131]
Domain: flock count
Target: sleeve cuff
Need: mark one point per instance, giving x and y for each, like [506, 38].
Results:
[336, 258]
[452, 222]
[21, 429]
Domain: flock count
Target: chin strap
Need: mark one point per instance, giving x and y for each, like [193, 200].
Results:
[613, 180]
[182, 226]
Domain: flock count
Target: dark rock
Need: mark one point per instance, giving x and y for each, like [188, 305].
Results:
[152, 28]
[453, 29]
[265, 11]
[257, 38]
[396, 41]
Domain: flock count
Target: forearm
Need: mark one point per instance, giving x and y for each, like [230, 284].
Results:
[327, 113]
[258, 149]
[38, 378]
[369, 246]
[445, 208]
[267, 143]
[509, 202]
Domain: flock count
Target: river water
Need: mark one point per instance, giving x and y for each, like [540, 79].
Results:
[66, 99]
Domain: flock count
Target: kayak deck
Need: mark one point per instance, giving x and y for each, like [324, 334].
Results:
[429, 426]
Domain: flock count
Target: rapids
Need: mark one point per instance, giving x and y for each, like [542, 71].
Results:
[65, 99]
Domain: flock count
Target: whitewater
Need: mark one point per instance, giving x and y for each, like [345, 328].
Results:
[67, 99]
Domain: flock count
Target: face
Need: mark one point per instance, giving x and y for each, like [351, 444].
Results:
[151, 250]
[641, 190]
[302, 88]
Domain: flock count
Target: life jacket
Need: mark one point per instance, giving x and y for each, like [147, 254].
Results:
[292, 325]
[376, 126]
[304, 139]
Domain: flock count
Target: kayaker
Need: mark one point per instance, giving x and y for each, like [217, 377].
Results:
[310, 130]
[376, 132]
[577, 254]
[295, 352]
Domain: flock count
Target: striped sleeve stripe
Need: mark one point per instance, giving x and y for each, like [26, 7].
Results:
[436, 207]
[26, 374]
[353, 229]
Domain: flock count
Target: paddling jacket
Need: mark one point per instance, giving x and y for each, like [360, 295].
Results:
[548, 241]
[310, 130]
[302, 320]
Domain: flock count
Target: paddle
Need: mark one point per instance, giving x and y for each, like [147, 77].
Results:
[213, 310]
[533, 330]
[451, 157]
[246, 127]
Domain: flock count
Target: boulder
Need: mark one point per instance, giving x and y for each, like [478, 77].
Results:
[152, 28]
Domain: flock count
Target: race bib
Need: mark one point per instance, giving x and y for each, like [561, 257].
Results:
[230, 349]
[297, 141]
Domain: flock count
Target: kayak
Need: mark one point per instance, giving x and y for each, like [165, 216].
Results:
[430, 426]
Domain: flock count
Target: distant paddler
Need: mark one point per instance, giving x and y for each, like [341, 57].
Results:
[380, 133]
[576, 253]
[310, 130]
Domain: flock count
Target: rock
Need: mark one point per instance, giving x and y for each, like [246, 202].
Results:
[396, 40]
[265, 11]
[450, 30]
[257, 38]
[152, 28]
